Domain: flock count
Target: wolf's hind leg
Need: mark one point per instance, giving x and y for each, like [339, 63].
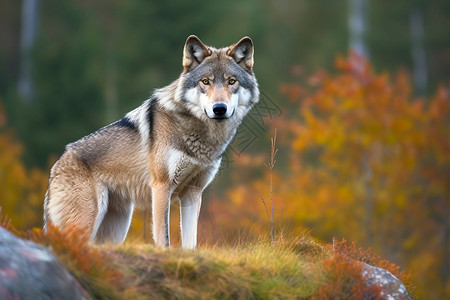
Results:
[71, 198]
[116, 222]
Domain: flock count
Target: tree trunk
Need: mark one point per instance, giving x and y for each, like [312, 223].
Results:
[357, 23]
[419, 58]
[27, 38]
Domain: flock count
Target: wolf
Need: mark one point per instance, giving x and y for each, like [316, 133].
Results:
[168, 149]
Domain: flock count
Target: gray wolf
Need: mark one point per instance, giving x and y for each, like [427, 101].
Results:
[167, 149]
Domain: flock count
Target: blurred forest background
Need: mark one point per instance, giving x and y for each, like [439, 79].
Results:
[358, 91]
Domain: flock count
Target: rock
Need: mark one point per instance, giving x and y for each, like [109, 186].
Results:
[29, 271]
[392, 287]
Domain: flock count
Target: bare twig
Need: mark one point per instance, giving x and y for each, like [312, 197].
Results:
[270, 166]
[264, 202]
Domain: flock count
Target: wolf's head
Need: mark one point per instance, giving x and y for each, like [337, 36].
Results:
[218, 83]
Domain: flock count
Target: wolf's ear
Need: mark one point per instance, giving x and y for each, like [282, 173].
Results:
[242, 53]
[194, 53]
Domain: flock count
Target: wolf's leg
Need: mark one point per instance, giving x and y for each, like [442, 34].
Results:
[191, 203]
[161, 195]
[72, 196]
[189, 212]
[116, 222]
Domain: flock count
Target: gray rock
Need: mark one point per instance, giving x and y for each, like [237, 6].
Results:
[29, 271]
[392, 287]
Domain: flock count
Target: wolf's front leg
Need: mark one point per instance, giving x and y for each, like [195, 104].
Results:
[191, 203]
[189, 212]
[161, 195]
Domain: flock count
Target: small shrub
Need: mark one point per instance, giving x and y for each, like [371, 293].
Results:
[367, 256]
[345, 281]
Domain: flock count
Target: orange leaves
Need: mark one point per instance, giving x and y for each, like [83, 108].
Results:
[292, 91]
[440, 104]
[345, 273]
[345, 280]
[22, 189]
[358, 109]
[405, 277]
[365, 159]
[70, 244]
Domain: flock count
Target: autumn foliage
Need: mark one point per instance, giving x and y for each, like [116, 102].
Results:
[22, 189]
[345, 281]
[362, 158]
[349, 253]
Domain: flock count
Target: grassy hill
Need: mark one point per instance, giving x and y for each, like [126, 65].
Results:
[295, 268]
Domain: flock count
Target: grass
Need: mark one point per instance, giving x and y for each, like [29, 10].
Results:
[288, 268]
[213, 273]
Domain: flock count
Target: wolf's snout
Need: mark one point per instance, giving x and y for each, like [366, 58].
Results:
[219, 109]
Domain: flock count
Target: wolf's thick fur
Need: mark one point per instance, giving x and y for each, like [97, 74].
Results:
[169, 148]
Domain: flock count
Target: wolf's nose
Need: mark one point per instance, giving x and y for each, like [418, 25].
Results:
[219, 109]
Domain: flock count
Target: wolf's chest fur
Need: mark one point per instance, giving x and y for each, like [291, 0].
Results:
[205, 147]
[194, 149]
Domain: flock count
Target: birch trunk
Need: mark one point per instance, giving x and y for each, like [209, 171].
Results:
[27, 38]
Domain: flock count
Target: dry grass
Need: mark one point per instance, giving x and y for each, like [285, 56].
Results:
[288, 268]
[244, 272]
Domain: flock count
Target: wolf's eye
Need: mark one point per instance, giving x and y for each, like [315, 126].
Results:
[205, 81]
[231, 81]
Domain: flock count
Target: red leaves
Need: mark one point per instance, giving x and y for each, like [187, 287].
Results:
[345, 280]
